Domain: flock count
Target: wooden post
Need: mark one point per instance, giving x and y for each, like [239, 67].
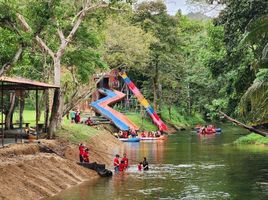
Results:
[2, 113]
[36, 113]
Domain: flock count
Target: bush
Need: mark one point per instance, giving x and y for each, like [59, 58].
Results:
[252, 139]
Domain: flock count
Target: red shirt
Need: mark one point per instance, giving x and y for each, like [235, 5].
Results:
[86, 156]
[139, 167]
[116, 161]
[121, 167]
[81, 150]
[125, 159]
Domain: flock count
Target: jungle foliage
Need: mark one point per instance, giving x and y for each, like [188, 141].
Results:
[182, 65]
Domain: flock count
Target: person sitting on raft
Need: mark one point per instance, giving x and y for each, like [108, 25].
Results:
[145, 164]
[81, 152]
[116, 163]
[86, 156]
[125, 160]
[143, 134]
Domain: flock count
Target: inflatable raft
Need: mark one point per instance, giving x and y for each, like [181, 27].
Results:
[129, 139]
[162, 137]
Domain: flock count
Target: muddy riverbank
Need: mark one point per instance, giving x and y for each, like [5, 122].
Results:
[33, 171]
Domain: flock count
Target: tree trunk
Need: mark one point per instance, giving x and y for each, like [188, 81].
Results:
[250, 128]
[10, 111]
[22, 103]
[55, 117]
[169, 112]
[155, 86]
[189, 99]
[46, 113]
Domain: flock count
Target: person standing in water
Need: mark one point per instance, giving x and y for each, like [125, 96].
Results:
[116, 163]
[145, 164]
[125, 159]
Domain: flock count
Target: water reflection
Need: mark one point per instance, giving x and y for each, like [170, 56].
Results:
[185, 167]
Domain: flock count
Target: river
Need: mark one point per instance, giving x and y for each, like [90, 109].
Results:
[187, 167]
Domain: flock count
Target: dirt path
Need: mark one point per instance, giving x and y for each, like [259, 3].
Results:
[26, 172]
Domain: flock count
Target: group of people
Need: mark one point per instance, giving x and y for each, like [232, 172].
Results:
[207, 129]
[151, 134]
[122, 165]
[75, 116]
[83, 153]
[126, 134]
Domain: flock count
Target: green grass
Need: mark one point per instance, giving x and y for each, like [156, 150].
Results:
[28, 116]
[76, 132]
[179, 119]
[252, 139]
[144, 123]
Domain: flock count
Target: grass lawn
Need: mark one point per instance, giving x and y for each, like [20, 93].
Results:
[144, 124]
[76, 132]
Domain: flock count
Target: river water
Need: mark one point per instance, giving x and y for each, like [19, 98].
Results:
[188, 167]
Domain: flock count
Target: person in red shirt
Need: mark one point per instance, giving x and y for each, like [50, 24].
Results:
[86, 156]
[122, 166]
[116, 163]
[81, 152]
[125, 160]
[140, 166]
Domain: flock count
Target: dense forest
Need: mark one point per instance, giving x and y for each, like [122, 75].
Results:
[184, 66]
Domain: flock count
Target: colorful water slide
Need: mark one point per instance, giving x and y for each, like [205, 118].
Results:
[102, 107]
[149, 109]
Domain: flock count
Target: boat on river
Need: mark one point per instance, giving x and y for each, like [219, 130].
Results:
[136, 139]
[162, 137]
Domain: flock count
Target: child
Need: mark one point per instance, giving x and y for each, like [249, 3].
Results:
[86, 156]
[122, 166]
[116, 163]
[125, 159]
[81, 152]
[140, 166]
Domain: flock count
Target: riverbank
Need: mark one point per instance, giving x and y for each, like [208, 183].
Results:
[252, 139]
[33, 171]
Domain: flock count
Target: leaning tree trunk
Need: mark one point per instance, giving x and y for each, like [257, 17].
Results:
[10, 111]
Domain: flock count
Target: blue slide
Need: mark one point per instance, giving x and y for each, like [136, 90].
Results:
[102, 107]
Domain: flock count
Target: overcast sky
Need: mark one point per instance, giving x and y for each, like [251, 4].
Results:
[186, 7]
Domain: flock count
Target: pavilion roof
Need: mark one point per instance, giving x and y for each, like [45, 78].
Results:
[18, 83]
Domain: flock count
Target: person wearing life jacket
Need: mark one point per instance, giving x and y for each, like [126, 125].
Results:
[86, 156]
[116, 163]
[143, 134]
[140, 166]
[125, 160]
[122, 166]
[81, 152]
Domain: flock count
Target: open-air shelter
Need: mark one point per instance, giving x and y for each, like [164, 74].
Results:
[17, 84]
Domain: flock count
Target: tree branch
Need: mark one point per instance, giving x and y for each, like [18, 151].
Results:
[28, 29]
[7, 66]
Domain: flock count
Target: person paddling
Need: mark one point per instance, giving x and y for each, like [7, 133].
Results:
[145, 164]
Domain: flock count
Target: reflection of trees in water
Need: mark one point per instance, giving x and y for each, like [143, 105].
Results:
[153, 151]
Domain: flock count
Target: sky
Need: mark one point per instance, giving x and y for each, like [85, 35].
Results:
[187, 7]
